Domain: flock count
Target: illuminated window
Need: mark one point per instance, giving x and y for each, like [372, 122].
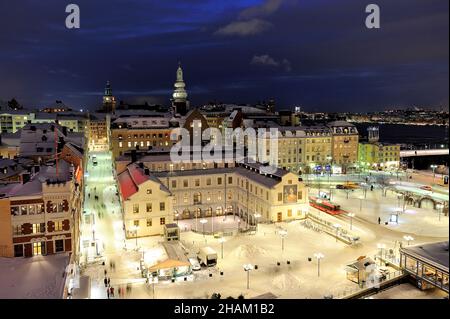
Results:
[135, 208]
[58, 225]
[149, 207]
[162, 206]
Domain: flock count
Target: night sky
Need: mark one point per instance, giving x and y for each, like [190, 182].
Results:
[313, 53]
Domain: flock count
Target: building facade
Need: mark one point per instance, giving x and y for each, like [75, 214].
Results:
[40, 216]
[344, 144]
[146, 202]
[130, 133]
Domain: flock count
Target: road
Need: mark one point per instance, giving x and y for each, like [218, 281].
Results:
[103, 227]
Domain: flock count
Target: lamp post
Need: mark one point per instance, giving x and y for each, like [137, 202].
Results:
[135, 230]
[381, 247]
[248, 268]
[222, 240]
[330, 160]
[257, 216]
[337, 226]
[360, 202]
[318, 256]
[399, 196]
[203, 222]
[351, 215]
[408, 238]
[433, 167]
[440, 208]
[283, 234]
[177, 215]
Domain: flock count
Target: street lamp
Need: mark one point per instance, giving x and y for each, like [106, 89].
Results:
[318, 256]
[408, 238]
[282, 233]
[257, 215]
[399, 196]
[381, 247]
[135, 230]
[177, 215]
[440, 208]
[360, 202]
[222, 240]
[337, 226]
[203, 222]
[351, 215]
[248, 268]
[433, 167]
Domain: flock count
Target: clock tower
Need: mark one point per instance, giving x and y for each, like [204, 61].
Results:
[109, 101]
[180, 103]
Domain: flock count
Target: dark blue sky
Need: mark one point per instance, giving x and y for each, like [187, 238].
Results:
[313, 53]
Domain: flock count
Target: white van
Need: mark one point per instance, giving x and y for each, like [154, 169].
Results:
[207, 256]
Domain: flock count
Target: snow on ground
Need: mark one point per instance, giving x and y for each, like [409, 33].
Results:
[297, 279]
[417, 221]
[39, 277]
[408, 291]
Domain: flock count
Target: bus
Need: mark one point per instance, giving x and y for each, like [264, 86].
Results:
[325, 206]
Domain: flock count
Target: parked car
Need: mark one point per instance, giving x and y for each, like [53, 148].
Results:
[195, 265]
[349, 185]
[426, 188]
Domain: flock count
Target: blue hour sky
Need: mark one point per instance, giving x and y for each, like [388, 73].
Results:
[313, 53]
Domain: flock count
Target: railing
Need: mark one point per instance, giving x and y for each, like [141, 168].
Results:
[360, 291]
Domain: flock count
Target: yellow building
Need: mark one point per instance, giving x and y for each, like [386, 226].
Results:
[344, 146]
[379, 156]
[140, 132]
[147, 203]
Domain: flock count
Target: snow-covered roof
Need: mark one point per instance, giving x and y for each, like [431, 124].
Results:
[143, 122]
[436, 253]
[131, 178]
[34, 186]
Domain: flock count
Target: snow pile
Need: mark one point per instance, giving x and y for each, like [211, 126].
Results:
[247, 251]
[286, 281]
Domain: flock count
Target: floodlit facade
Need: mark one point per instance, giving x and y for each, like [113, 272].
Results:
[379, 156]
[146, 202]
[40, 216]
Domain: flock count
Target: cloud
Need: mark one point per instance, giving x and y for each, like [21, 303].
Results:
[267, 60]
[266, 8]
[245, 28]
[249, 22]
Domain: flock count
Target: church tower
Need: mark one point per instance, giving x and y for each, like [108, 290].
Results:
[109, 101]
[180, 103]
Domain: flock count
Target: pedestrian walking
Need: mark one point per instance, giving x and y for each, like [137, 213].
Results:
[109, 282]
[106, 282]
[107, 292]
[111, 290]
[379, 220]
[105, 272]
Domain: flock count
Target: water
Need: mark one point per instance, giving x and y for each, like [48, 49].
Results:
[408, 134]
